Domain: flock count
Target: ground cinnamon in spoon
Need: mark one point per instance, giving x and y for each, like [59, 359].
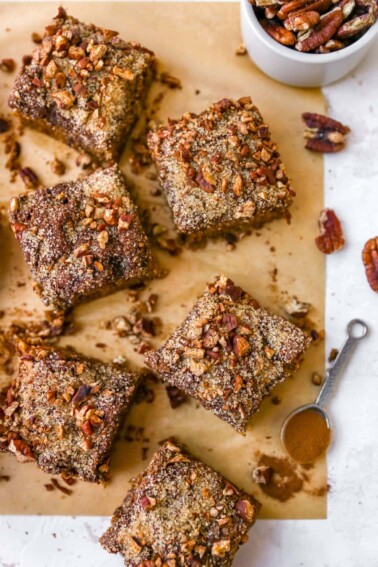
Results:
[306, 436]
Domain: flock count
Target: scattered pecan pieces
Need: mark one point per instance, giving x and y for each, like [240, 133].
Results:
[57, 166]
[324, 134]
[29, 177]
[170, 81]
[176, 397]
[241, 50]
[316, 379]
[4, 125]
[334, 352]
[7, 65]
[262, 474]
[36, 38]
[370, 260]
[331, 236]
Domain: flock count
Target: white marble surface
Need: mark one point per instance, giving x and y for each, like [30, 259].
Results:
[349, 537]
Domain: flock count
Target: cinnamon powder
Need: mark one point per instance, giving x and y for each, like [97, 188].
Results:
[306, 436]
[286, 480]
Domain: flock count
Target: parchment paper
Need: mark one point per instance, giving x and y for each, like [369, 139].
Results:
[197, 43]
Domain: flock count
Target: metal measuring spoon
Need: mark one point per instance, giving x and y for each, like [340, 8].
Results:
[356, 330]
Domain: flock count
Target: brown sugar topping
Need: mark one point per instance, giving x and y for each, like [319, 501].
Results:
[220, 169]
[229, 353]
[84, 85]
[180, 512]
[64, 410]
[82, 239]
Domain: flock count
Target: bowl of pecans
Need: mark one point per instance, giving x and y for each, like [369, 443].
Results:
[308, 43]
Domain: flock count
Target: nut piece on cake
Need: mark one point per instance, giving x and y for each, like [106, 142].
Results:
[220, 170]
[84, 86]
[64, 411]
[229, 353]
[82, 239]
[180, 512]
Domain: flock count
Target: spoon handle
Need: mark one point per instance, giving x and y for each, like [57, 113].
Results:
[357, 330]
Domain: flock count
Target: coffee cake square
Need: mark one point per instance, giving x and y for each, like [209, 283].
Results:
[84, 85]
[63, 411]
[180, 512]
[229, 353]
[220, 170]
[82, 239]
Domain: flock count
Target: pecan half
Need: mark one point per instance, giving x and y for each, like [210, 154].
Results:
[302, 21]
[279, 33]
[370, 260]
[356, 26]
[29, 177]
[331, 45]
[264, 3]
[331, 236]
[347, 7]
[271, 12]
[323, 133]
[303, 5]
[323, 32]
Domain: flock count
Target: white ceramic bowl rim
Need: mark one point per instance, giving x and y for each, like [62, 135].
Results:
[310, 58]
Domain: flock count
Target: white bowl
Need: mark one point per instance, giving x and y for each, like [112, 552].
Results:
[299, 69]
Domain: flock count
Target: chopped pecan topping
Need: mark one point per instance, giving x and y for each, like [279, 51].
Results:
[229, 321]
[22, 451]
[206, 180]
[147, 502]
[234, 291]
[241, 346]
[123, 73]
[64, 99]
[221, 548]
[82, 393]
[246, 510]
